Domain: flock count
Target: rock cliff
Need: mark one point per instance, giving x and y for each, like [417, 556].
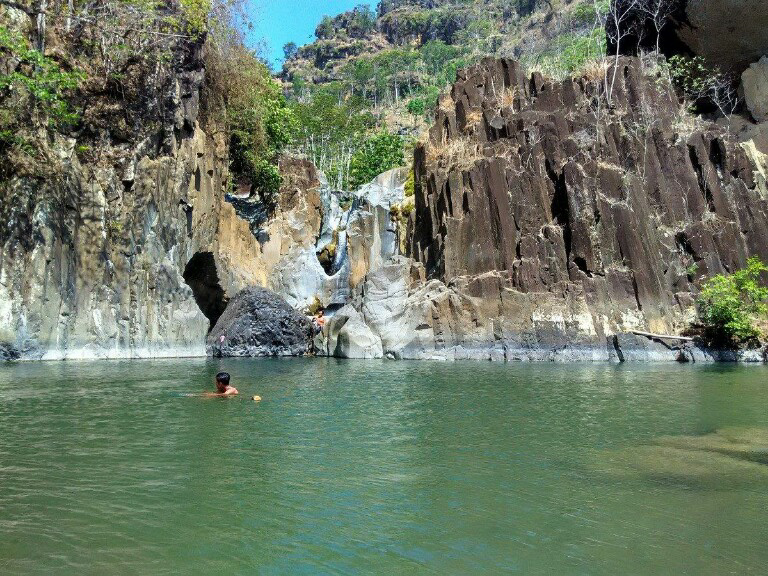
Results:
[120, 243]
[551, 216]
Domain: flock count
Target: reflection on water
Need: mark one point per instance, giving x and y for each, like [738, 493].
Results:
[382, 467]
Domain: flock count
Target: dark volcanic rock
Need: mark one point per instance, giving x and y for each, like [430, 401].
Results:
[258, 322]
[729, 34]
[611, 214]
[8, 352]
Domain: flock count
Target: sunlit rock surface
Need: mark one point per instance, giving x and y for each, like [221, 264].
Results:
[546, 228]
[94, 253]
[754, 82]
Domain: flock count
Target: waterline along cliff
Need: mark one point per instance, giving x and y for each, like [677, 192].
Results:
[536, 219]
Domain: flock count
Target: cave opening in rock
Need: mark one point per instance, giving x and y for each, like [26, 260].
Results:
[201, 276]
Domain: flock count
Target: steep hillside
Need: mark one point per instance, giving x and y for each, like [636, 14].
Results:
[368, 72]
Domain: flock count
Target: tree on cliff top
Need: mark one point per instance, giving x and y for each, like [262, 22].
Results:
[258, 121]
[379, 153]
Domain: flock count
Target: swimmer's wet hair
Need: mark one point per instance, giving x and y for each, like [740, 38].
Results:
[223, 377]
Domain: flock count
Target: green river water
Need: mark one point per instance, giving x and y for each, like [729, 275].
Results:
[374, 467]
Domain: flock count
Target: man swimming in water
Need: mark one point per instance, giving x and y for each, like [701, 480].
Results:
[223, 388]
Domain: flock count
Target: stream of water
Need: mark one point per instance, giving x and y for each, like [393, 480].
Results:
[374, 467]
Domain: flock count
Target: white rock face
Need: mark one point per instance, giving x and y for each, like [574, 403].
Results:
[311, 219]
[350, 337]
[754, 80]
[386, 189]
[397, 313]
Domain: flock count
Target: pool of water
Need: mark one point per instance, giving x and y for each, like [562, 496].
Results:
[371, 467]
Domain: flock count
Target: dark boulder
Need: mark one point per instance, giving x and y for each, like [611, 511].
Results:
[258, 322]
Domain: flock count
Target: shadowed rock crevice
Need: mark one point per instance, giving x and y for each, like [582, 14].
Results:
[201, 276]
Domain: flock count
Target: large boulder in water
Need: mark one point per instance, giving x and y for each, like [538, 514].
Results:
[258, 322]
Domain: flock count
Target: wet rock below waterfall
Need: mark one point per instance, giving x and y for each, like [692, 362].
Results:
[258, 322]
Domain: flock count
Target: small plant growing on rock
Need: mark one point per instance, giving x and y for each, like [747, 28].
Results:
[731, 306]
[704, 86]
[409, 189]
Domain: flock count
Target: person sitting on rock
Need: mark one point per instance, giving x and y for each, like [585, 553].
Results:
[223, 387]
[319, 321]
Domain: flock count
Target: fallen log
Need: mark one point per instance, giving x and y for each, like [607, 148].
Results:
[662, 336]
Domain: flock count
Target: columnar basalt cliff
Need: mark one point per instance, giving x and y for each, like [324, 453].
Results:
[609, 207]
[552, 218]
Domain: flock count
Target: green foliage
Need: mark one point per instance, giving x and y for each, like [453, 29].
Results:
[332, 124]
[583, 14]
[260, 125]
[417, 106]
[410, 184]
[572, 52]
[257, 118]
[362, 20]
[703, 85]
[37, 82]
[325, 29]
[379, 153]
[692, 270]
[578, 50]
[195, 13]
[730, 305]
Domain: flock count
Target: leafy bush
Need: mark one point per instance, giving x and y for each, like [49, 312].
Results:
[38, 79]
[379, 153]
[417, 107]
[730, 305]
[258, 120]
[195, 13]
[32, 88]
[703, 85]
[410, 184]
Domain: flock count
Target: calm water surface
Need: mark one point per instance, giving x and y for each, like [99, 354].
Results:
[367, 468]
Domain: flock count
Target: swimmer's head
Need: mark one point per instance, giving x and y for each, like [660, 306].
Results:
[257, 398]
[222, 381]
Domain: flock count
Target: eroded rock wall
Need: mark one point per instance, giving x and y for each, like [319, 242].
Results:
[550, 218]
[616, 209]
[96, 241]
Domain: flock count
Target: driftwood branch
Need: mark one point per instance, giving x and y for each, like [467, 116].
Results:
[662, 336]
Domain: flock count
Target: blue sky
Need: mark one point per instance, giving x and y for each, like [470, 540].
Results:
[282, 21]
